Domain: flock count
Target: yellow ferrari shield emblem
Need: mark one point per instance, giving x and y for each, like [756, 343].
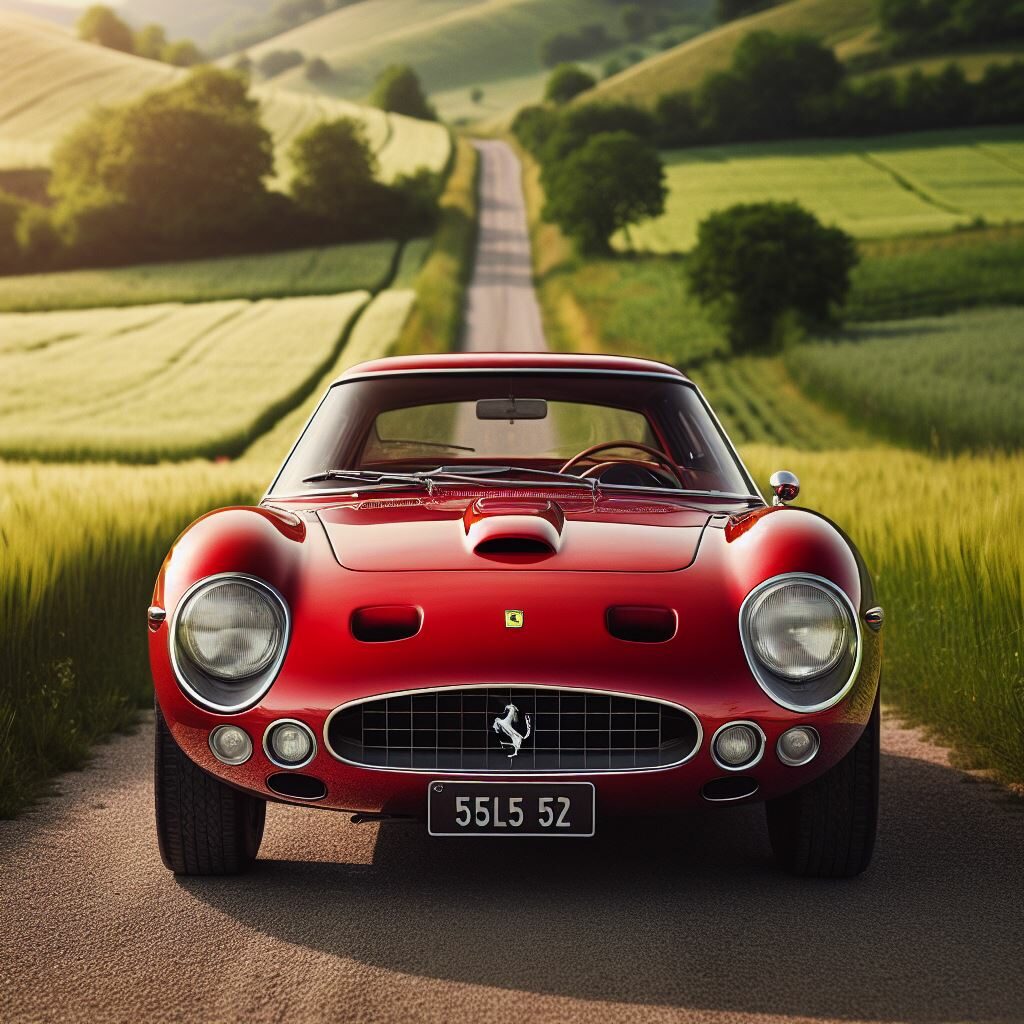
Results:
[513, 618]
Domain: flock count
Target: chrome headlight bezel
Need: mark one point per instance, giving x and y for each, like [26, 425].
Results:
[824, 689]
[222, 695]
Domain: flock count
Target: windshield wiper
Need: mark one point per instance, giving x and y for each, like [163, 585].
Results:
[447, 474]
[427, 444]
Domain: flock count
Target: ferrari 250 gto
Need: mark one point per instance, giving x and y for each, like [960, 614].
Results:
[515, 595]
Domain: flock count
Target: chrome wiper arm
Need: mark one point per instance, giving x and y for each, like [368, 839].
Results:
[365, 476]
[479, 475]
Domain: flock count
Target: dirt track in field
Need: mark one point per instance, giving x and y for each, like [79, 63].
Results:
[652, 921]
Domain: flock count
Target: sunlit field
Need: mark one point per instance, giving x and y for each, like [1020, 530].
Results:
[909, 184]
[49, 81]
[950, 382]
[201, 379]
[320, 271]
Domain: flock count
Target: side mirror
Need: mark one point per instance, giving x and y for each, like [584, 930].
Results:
[785, 485]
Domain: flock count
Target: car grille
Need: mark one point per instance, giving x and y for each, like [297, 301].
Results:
[452, 730]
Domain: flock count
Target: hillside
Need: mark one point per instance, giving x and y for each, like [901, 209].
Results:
[49, 79]
[200, 22]
[56, 13]
[454, 45]
[683, 67]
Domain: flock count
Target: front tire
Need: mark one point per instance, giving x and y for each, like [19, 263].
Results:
[827, 828]
[203, 825]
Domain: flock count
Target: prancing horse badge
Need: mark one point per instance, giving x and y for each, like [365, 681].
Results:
[513, 618]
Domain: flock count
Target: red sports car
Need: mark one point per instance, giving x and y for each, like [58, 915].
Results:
[515, 595]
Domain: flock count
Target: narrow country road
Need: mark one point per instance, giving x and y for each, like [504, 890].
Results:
[651, 921]
[502, 314]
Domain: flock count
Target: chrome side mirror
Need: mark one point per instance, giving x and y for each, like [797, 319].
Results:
[785, 485]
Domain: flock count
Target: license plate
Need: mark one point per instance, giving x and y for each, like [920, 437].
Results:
[510, 808]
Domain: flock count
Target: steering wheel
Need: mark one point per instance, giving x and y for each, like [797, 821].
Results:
[660, 459]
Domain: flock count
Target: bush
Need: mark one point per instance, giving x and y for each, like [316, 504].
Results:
[922, 25]
[615, 179]
[578, 124]
[37, 238]
[10, 213]
[730, 10]
[276, 62]
[756, 264]
[99, 24]
[317, 70]
[398, 90]
[562, 47]
[567, 81]
[150, 42]
[533, 126]
[183, 54]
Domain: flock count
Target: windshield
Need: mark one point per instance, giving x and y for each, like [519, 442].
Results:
[657, 431]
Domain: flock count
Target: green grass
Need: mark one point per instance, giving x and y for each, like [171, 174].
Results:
[923, 276]
[949, 383]
[880, 187]
[323, 271]
[202, 379]
[941, 536]
[683, 67]
[49, 80]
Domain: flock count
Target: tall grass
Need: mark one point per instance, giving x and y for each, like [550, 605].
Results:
[79, 550]
[948, 383]
[941, 536]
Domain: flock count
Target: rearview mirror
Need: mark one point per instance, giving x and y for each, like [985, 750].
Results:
[511, 409]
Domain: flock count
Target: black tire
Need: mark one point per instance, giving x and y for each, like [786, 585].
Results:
[827, 828]
[203, 826]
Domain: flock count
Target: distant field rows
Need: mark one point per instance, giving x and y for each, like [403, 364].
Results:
[320, 271]
[170, 381]
[880, 187]
[49, 80]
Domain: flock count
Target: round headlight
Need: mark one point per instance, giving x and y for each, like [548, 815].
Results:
[228, 640]
[289, 744]
[231, 629]
[737, 745]
[799, 630]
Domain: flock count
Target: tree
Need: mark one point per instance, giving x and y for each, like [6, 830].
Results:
[577, 124]
[276, 62]
[183, 53]
[533, 126]
[334, 169]
[37, 238]
[99, 24]
[179, 170]
[730, 10]
[317, 70]
[476, 94]
[10, 213]
[151, 41]
[614, 180]
[567, 81]
[755, 263]
[398, 90]
[634, 21]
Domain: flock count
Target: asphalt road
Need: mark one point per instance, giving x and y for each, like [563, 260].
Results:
[650, 921]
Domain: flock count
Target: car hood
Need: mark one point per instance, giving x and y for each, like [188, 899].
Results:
[578, 534]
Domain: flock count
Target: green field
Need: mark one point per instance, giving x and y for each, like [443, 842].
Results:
[176, 381]
[49, 80]
[879, 187]
[923, 276]
[453, 45]
[324, 271]
[683, 67]
[949, 383]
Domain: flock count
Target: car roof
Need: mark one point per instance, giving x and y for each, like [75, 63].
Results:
[509, 361]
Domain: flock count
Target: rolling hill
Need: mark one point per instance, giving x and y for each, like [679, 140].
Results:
[454, 45]
[49, 79]
[198, 22]
[682, 67]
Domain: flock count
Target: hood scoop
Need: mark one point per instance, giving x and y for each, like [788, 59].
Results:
[513, 531]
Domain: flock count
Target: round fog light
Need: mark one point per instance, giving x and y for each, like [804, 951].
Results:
[230, 745]
[289, 744]
[737, 745]
[797, 746]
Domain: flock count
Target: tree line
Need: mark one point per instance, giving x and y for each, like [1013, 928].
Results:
[182, 173]
[101, 25]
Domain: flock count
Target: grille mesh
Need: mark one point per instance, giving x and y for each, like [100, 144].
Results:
[570, 731]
